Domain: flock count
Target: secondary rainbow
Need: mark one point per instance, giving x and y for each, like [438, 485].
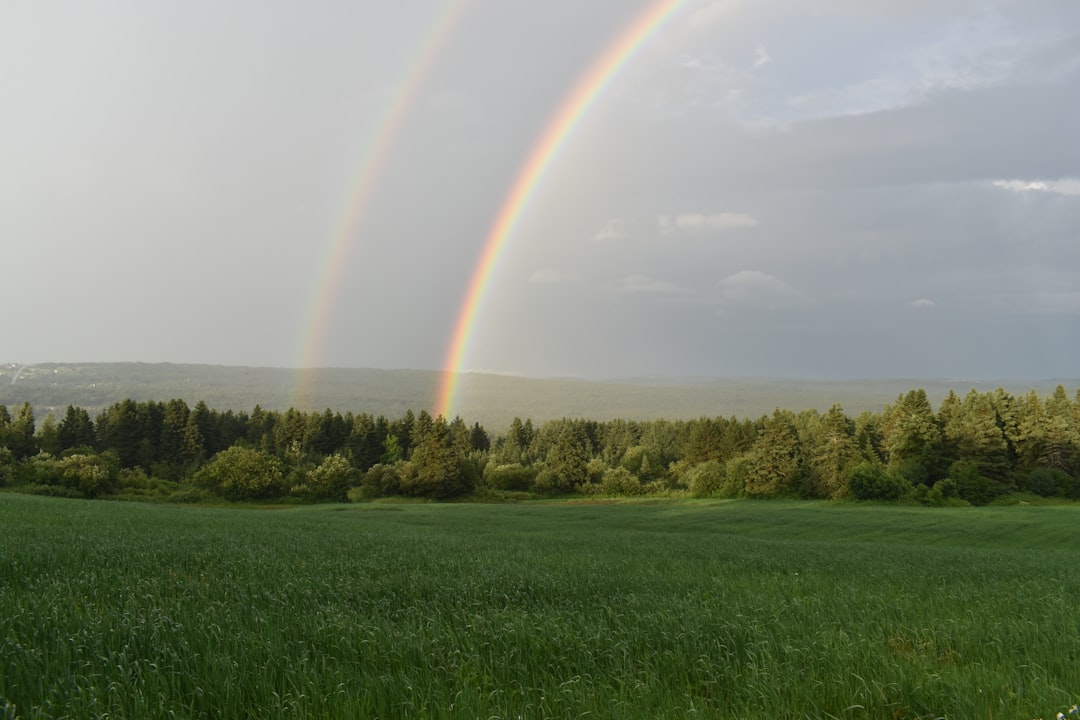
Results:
[585, 92]
[372, 159]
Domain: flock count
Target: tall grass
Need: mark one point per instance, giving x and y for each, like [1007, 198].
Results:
[726, 610]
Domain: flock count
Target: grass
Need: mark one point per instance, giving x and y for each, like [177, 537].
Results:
[564, 610]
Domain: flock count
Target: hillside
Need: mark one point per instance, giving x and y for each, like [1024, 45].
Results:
[493, 400]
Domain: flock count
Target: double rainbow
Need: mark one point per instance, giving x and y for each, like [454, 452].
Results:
[373, 158]
[554, 137]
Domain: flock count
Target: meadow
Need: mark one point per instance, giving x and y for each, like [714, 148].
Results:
[719, 609]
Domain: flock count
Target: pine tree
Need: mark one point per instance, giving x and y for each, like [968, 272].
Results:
[777, 461]
[835, 452]
[912, 438]
[568, 459]
[76, 429]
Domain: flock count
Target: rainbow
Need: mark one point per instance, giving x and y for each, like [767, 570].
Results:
[558, 129]
[373, 158]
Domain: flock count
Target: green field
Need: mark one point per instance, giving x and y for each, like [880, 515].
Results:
[735, 609]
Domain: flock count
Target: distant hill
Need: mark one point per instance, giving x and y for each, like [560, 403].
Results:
[493, 400]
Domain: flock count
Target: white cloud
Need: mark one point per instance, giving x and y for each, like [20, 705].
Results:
[696, 222]
[643, 283]
[760, 289]
[922, 303]
[1064, 186]
[613, 229]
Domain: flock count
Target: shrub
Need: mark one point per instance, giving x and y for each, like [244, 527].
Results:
[870, 481]
[547, 482]
[620, 481]
[1049, 483]
[329, 481]
[91, 475]
[512, 476]
[971, 484]
[707, 479]
[243, 473]
[381, 481]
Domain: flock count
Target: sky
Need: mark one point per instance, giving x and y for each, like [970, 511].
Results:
[836, 189]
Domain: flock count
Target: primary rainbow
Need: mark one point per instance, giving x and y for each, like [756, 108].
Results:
[372, 159]
[588, 88]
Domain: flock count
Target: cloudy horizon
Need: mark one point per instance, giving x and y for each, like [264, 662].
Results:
[852, 190]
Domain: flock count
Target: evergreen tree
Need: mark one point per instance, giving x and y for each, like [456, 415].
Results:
[119, 429]
[48, 436]
[616, 437]
[979, 438]
[478, 438]
[778, 466]
[1061, 440]
[512, 449]
[568, 459]
[365, 444]
[436, 462]
[193, 450]
[76, 429]
[1030, 438]
[912, 438]
[206, 420]
[704, 441]
[835, 453]
[459, 436]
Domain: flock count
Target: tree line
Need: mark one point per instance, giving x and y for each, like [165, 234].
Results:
[971, 449]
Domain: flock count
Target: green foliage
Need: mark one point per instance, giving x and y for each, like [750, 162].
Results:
[567, 461]
[620, 481]
[834, 454]
[708, 479]
[777, 465]
[1009, 443]
[90, 475]
[330, 480]
[972, 485]
[437, 467]
[392, 451]
[513, 476]
[8, 467]
[243, 473]
[381, 481]
[870, 481]
[912, 438]
[1049, 483]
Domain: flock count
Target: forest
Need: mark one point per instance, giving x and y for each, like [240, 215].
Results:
[972, 449]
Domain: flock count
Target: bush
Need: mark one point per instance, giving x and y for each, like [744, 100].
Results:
[7, 466]
[707, 479]
[91, 475]
[971, 484]
[243, 473]
[737, 472]
[51, 491]
[512, 476]
[870, 481]
[1049, 483]
[620, 481]
[189, 495]
[547, 482]
[329, 481]
[381, 481]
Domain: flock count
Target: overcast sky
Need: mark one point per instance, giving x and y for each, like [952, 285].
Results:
[839, 188]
